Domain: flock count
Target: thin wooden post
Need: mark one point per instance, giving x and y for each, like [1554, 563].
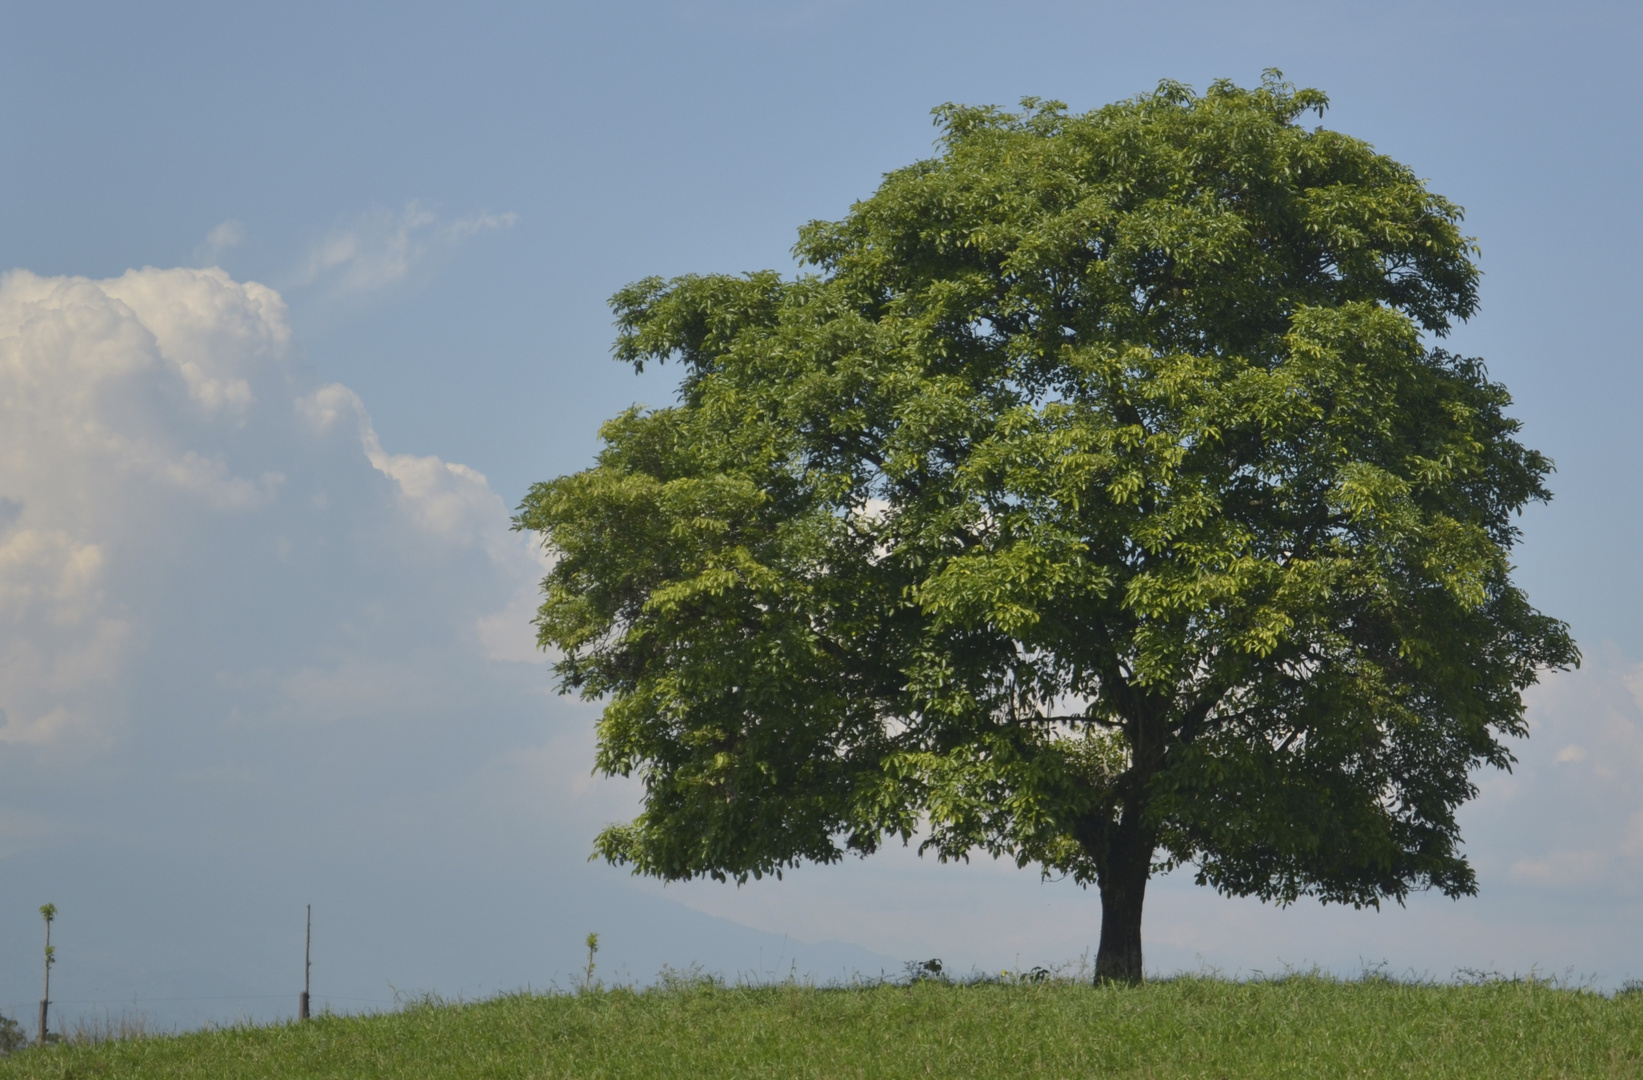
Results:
[307, 954]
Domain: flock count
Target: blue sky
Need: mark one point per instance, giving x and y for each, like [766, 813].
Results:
[262, 627]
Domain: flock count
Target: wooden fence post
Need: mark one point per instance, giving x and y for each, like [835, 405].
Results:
[307, 953]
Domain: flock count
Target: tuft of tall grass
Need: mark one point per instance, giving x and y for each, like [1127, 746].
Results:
[107, 1027]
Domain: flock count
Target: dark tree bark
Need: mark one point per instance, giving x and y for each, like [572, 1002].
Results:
[1123, 885]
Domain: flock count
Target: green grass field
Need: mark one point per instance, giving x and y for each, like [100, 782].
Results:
[1186, 1027]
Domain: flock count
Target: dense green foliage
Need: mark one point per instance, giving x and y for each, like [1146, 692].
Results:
[1099, 502]
[1299, 1027]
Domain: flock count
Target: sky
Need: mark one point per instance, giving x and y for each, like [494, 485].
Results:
[299, 300]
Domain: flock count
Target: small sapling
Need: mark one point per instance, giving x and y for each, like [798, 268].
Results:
[49, 913]
[587, 974]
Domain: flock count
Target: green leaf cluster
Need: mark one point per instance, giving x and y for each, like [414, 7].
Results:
[1102, 473]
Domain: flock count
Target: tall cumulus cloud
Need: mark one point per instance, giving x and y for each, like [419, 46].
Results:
[186, 511]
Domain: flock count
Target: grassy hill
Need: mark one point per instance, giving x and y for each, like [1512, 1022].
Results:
[1185, 1027]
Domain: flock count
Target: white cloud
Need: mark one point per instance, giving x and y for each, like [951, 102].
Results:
[230, 234]
[1575, 815]
[508, 635]
[382, 248]
[187, 514]
[323, 409]
[1633, 842]
[1568, 869]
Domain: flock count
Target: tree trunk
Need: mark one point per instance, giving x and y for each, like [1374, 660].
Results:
[1123, 884]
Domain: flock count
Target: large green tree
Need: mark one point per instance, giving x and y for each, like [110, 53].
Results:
[1099, 499]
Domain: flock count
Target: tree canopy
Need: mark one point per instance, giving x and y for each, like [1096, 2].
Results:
[1098, 498]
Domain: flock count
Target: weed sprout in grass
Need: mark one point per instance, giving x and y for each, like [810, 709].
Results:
[587, 973]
